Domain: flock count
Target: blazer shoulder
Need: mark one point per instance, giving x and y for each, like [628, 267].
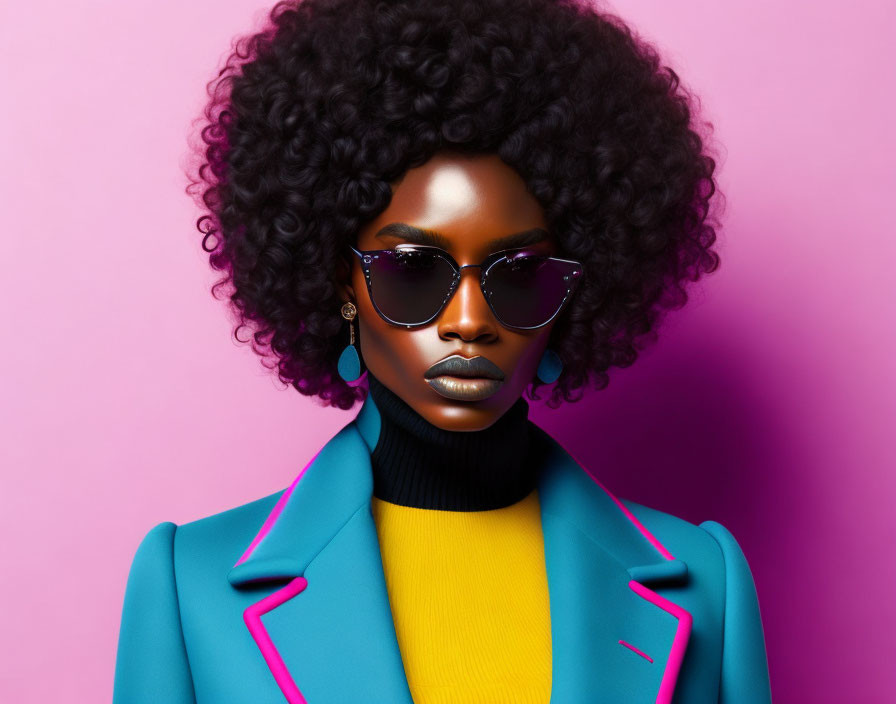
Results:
[234, 516]
[707, 542]
[226, 533]
[745, 674]
[151, 661]
[715, 557]
[198, 555]
[685, 540]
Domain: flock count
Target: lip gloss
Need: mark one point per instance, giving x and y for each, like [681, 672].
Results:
[462, 388]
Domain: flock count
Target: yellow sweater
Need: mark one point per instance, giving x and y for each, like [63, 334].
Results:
[469, 598]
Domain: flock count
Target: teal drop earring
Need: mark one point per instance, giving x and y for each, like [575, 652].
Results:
[549, 367]
[349, 365]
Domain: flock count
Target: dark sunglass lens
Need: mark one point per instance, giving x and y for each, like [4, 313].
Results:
[408, 286]
[527, 291]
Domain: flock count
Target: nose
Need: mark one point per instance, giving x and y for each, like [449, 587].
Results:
[467, 314]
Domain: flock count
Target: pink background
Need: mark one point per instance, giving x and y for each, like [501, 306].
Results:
[767, 405]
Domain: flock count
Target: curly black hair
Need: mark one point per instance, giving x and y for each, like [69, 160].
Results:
[314, 116]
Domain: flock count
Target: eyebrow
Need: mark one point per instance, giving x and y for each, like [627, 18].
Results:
[424, 236]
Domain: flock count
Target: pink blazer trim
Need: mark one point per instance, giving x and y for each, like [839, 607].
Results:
[275, 513]
[628, 514]
[679, 641]
[252, 617]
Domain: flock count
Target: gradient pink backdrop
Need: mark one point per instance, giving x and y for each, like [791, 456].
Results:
[767, 404]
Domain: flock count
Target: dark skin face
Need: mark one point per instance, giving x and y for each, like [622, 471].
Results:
[471, 201]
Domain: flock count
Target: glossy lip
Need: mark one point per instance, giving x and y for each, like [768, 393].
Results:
[464, 389]
[456, 365]
[464, 379]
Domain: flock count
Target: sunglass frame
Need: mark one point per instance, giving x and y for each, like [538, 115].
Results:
[366, 257]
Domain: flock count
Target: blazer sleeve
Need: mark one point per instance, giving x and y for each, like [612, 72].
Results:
[745, 678]
[151, 665]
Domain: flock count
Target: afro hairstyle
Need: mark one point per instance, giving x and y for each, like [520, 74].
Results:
[312, 118]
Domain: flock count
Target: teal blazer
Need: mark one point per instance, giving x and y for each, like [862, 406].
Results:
[284, 598]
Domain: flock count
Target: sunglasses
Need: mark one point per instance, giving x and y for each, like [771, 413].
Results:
[411, 284]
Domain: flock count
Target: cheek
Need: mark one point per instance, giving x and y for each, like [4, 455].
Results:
[528, 355]
[384, 344]
[372, 329]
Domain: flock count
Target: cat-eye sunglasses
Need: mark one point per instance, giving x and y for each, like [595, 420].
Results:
[411, 284]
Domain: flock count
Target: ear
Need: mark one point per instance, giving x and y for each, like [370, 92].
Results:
[343, 279]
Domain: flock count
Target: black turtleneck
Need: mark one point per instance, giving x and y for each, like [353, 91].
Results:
[416, 463]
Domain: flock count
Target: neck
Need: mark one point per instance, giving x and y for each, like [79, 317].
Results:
[416, 463]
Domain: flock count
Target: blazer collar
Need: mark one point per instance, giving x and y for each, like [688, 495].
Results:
[327, 634]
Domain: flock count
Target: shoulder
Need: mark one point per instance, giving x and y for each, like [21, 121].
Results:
[708, 547]
[218, 540]
[177, 575]
[232, 523]
[718, 567]
[215, 540]
[716, 563]
[708, 544]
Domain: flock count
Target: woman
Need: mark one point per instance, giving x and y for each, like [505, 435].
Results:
[457, 202]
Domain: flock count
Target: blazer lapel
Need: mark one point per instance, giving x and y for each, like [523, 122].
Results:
[613, 639]
[323, 622]
[325, 626]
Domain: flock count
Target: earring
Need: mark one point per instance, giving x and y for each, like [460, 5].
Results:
[349, 365]
[549, 367]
